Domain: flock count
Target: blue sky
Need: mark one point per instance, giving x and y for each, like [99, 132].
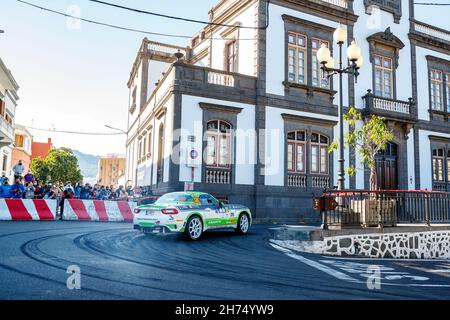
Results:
[75, 79]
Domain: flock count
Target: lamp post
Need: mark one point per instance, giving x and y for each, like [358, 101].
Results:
[327, 61]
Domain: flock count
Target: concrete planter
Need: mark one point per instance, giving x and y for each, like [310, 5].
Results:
[376, 212]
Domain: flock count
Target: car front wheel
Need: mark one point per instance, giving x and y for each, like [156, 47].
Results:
[243, 224]
[194, 228]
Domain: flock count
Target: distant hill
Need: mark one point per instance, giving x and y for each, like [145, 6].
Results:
[88, 164]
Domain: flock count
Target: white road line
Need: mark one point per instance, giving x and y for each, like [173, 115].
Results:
[337, 274]
[342, 276]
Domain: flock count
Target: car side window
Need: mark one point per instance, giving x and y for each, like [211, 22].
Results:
[207, 200]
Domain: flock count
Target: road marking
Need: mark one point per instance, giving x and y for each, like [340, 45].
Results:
[337, 274]
[391, 273]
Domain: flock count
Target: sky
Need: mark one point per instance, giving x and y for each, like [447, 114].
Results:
[73, 76]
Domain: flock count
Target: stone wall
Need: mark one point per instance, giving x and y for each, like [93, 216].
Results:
[411, 245]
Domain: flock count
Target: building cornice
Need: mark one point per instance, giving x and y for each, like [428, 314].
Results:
[429, 42]
[303, 119]
[9, 75]
[220, 108]
[321, 9]
[309, 24]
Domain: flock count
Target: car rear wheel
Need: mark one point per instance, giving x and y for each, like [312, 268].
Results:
[194, 228]
[243, 224]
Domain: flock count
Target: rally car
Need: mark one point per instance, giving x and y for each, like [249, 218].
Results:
[190, 213]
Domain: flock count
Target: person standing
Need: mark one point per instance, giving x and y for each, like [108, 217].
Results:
[18, 170]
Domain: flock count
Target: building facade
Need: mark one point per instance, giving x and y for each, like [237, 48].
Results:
[8, 104]
[41, 149]
[22, 147]
[245, 112]
[110, 170]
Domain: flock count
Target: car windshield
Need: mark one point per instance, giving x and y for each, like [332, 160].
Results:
[175, 197]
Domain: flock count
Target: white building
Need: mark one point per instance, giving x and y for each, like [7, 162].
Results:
[8, 104]
[249, 96]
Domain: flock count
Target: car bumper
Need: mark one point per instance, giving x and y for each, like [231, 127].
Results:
[160, 229]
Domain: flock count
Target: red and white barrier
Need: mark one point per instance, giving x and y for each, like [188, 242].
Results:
[98, 210]
[28, 209]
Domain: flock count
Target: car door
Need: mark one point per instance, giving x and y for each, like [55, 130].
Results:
[211, 210]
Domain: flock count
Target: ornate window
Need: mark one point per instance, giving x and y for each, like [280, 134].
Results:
[318, 77]
[438, 164]
[383, 76]
[436, 88]
[447, 86]
[448, 165]
[297, 58]
[231, 56]
[218, 144]
[319, 153]
[296, 151]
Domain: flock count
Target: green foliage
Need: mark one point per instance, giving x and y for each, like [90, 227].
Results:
[60, 164]
[370, 138]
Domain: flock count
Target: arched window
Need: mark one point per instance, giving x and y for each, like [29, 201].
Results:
[319, 153]
[218, 145]
[296, 151]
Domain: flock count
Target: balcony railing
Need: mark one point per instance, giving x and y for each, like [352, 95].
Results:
[339, 3]
[321, 182]
[193, 76]
[431, 30]
[217, 176]
[164, 49]
[295, 180]
[219, 78]
[441, 186]
[388, 106]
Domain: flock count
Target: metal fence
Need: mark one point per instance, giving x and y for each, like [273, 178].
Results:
[383, 208]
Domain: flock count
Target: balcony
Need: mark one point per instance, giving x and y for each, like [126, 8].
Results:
[389, 108]
[6, 133]
[432, 31]
[296, 180]
[441, 186]
[196, 80]
[217, 176]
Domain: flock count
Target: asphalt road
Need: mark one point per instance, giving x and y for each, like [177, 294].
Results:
[117, 262]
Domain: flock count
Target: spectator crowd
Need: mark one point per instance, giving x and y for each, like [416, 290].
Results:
[27, 187]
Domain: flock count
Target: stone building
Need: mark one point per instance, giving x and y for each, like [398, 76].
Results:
[110, 169]
[22, 147]
[247, 95]
[8, 104]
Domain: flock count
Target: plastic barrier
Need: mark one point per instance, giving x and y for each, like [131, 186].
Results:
[98, 210]
[28, 209]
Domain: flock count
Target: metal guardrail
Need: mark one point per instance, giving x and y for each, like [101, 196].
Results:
[383, 208]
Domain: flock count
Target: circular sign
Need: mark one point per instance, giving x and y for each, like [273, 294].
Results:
[194, 154]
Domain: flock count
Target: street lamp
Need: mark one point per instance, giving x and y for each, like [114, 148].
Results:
[114, 128]
[327, 61]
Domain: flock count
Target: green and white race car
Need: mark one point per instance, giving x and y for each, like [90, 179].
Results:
[190, 213]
